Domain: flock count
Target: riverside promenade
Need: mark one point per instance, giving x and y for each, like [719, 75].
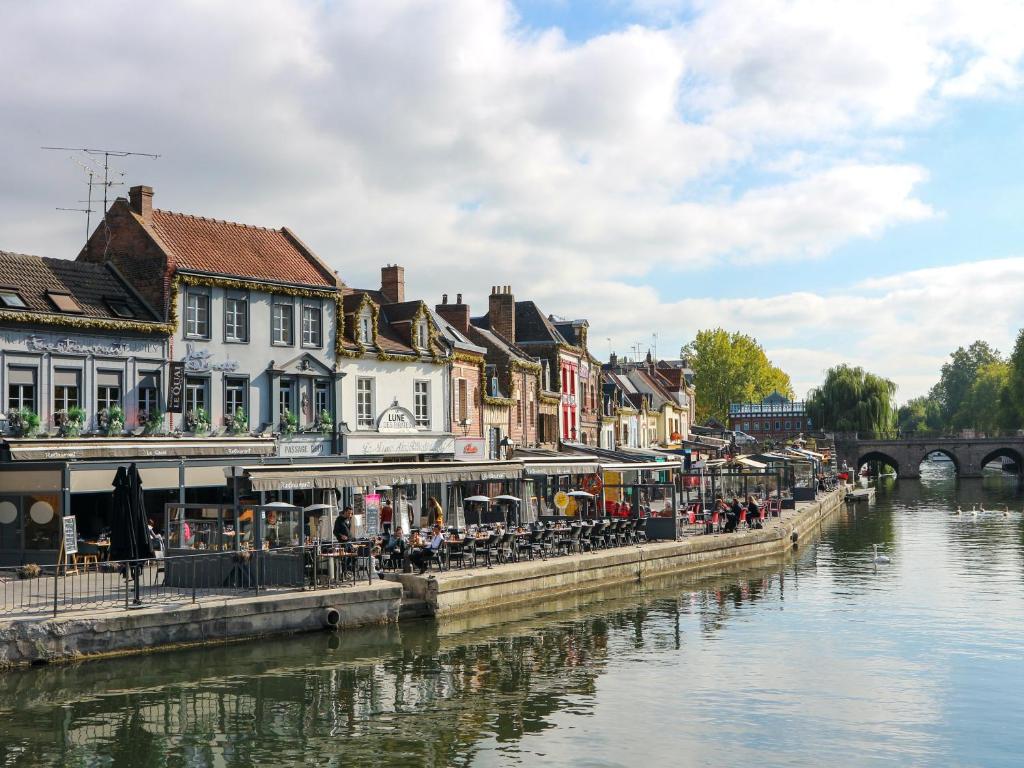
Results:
[91, 632]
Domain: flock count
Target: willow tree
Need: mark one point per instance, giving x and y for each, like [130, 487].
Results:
[731, 368]
[853, 400]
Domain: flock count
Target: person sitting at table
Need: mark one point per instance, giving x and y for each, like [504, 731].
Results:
[421, 556]
[732, 515]
[753, 513]
[343, 528]
[394, 545]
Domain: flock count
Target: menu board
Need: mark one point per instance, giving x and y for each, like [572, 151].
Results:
[371, 504]
[70, 535]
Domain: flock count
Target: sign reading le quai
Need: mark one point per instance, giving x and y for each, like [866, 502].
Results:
[176, 388]
[396, 419]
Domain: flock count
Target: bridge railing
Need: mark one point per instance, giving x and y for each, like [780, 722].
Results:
[936, 434]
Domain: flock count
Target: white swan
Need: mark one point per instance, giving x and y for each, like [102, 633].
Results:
[958, 510]
[974, 510]
[1006, 510]
[880, 559]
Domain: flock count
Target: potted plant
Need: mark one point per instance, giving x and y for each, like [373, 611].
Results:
[151, 421]
[22, 422]
[289, 423]
[197, 421]
[70, 422]
[237, 423]
[110, 421]
[325, 423]
[29, 571]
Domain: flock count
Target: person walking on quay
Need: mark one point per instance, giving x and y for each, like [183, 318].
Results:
[387, 516]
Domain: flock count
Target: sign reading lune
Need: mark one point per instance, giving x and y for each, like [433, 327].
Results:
[396, 419]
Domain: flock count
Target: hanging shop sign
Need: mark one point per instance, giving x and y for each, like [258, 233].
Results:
[469, 448]
[176, 388]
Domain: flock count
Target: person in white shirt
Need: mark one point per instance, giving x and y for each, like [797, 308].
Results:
[421, 556]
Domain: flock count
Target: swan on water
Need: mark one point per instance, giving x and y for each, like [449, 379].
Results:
[880, 559]
[1006, 510]
[974, 510]
[958, 510]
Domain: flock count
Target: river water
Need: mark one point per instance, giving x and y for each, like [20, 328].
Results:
[823, 658]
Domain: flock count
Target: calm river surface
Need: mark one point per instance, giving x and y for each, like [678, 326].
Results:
[820, 660]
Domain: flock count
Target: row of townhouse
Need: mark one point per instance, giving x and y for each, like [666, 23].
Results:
[196, 344]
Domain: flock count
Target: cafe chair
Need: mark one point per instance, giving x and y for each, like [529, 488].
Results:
[87, 553]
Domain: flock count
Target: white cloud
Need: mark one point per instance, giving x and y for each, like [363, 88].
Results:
[452, 138]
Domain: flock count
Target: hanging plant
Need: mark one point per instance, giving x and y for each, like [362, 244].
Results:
[70, 422]
[151, 422]
[289, 423]
[110, 421]
[22, 422]
[237, 423]
[325, 422]
[197, 421]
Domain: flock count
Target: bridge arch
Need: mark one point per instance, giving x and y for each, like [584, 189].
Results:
[949, 454]
[878, 456]
[1011, 453]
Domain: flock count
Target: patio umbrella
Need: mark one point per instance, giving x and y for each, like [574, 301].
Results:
[129, 534]
[279, 505]
[482, 499]
[512, 500]
[581, 495]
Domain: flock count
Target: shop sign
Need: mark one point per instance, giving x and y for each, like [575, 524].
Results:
[371, 507]
[396, 419]
[303, 447]
[376, 446]
[176, 388]
[198, 360]
[69, 346]
[469, 448]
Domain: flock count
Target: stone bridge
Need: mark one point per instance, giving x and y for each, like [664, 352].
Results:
[969, 454]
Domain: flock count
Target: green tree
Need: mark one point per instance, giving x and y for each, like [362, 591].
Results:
[957, 378]
[1015, 384]
[853, 400]
[919, 414]
[731, 368]
[987, 405]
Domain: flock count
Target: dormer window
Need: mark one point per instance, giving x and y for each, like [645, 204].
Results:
[421, 335]
[11, 299]
[365, 327]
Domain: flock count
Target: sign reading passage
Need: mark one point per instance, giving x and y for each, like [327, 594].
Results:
[176, 388]
[70, 535]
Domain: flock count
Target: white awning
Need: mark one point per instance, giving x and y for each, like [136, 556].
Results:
[302, 476]
[750, 463]
[28, 449]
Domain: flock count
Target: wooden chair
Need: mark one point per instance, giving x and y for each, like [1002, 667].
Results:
[87, 553]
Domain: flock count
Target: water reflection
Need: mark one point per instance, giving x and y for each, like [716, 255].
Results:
[803, 660]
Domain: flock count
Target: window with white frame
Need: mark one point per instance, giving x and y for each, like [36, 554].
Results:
[66, 389]
[21, 388]
[286, 396]
[236, 317]
[311, 324]
[235, 391]
[421, 403]
[197, 314]
[364, 402]
[365, 327]
[149, 393]
[422, 335]
[195, 395]
[321, 397]
[282, 320]
[108, 389]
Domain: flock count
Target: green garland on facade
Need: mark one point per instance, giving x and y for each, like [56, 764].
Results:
[84, 323]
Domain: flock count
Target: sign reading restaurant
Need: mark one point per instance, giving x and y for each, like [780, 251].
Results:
[59, 344]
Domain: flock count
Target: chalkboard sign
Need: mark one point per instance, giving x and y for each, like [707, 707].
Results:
[371, 502]
[70, 535]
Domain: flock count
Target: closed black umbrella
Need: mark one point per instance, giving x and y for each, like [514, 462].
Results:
[129, 533]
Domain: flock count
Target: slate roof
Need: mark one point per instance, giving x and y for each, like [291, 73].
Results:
[532, 325]
[226, 248]
[91, 286]
[389, 339]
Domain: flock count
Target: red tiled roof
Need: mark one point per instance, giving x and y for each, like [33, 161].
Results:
[227, 248]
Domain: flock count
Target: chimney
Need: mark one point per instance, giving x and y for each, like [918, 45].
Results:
[392, 283]
[457, 314]
[501, 311]
[141, 201]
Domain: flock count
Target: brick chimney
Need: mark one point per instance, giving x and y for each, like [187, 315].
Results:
[392, 283]
[457, 314]
[501, 311]
[141, 201]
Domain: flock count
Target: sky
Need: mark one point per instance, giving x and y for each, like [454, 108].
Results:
[842, 180]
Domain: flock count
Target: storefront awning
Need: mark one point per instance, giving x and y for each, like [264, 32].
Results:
[561, 467]
[750, 463]
[28, 449]
[298, 477]
[632, 466]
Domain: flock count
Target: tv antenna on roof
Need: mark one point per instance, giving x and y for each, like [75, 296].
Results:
[107, 182]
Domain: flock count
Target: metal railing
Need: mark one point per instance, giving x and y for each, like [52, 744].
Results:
[179, 579]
